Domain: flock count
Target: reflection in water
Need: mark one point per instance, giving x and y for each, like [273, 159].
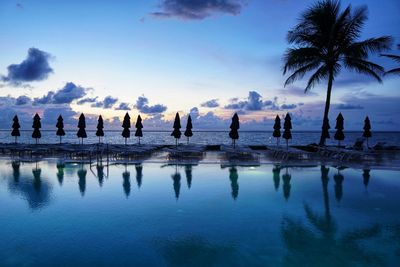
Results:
[100, 174]
[194, 251]
[60, 172]
[321, 245]
[188, 173]
[234, 177]
[139, 174]
[286, 184]
[276, 172]
[37, 182]
[366, 177]
[338, 185]
[33, 189]
[176, 177]
[82, 180]
[126, 176]
[325, 180]
[16, 173]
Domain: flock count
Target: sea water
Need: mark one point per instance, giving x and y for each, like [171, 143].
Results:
[201, 137]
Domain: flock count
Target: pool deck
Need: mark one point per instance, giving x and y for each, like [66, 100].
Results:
[205, 154]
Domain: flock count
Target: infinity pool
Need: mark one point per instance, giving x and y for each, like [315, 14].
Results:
[203, 215]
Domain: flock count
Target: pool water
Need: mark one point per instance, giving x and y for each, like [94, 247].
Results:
[149, 214]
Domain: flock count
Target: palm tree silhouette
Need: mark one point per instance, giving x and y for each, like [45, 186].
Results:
[325, 40]
[395, 58]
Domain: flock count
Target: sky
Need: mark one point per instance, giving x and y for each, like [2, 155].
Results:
[207, 58]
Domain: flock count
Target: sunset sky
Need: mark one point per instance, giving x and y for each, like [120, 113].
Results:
[211, 58]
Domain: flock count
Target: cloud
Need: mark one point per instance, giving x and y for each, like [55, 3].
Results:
[197, 9]
[296, 91]
[143, 107]
[22, 100]
[65, 95]
[35, 67]
[107, 103]
[254, 102]
[87, 100]
[348, 106]
[123, 106]
[213, 103]
[288, 106]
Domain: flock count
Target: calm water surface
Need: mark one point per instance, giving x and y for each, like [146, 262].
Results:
[206, 137]
[205, 215]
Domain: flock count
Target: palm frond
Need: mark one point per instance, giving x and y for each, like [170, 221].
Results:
[320, 74]
[300, 72]
[365, 67]
[393, 71]
[394, 57]
[298, 57]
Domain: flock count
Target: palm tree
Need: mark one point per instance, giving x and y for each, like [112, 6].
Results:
[395, 58]
[327, 39]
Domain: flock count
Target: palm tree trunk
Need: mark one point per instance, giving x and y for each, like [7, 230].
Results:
[327, 105]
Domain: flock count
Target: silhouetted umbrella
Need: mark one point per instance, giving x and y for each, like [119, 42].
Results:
[235, 126]
[339, 135]
[81, 127]
[139, 127]
[176, 133]
[15, 126]
[100, 127]
[60, 127]
[277, 129]
[126, 124]
[367, 129]
[287, 125]
[36, 125]
[188, 132]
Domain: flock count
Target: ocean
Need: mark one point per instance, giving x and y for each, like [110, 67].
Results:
[200, 137]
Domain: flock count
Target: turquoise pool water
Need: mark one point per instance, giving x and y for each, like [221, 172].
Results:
[206, 215]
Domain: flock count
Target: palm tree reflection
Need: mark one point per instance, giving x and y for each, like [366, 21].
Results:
[318, 243]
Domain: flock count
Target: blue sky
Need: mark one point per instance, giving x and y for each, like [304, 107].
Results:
[157, 58]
